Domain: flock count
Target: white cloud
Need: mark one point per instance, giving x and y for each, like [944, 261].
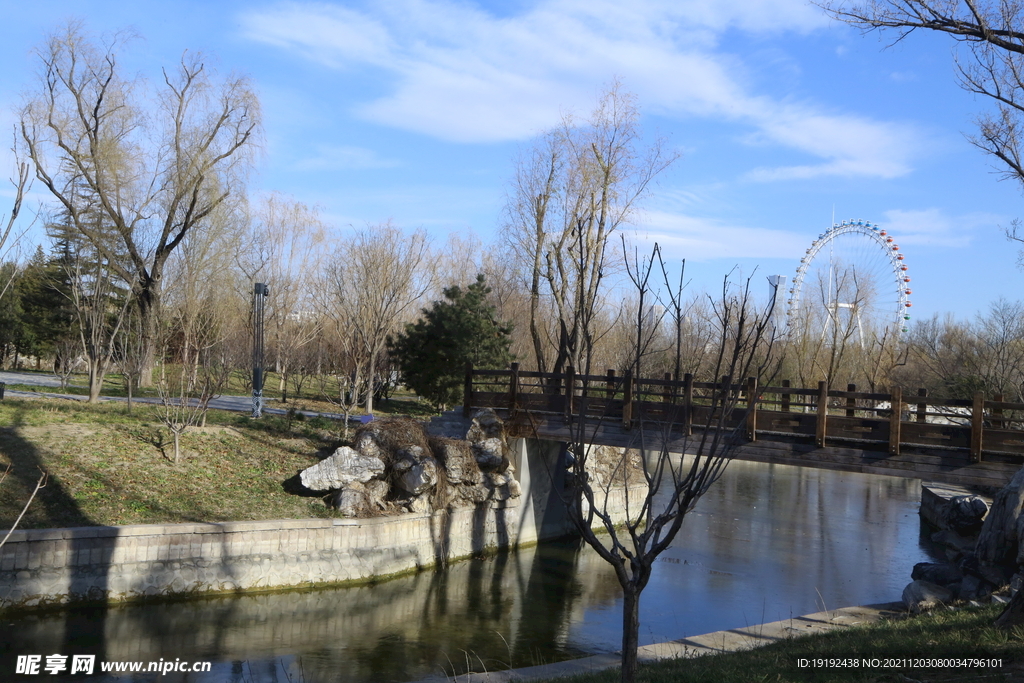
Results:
[701, 239]
[343, 158]
[935, 228]
[461, 74]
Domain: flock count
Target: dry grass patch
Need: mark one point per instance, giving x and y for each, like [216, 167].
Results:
[109, 467]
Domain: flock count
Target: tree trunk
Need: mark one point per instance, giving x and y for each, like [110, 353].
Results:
[96, 373]
[630, 632]
[148, 298]
[369, 382]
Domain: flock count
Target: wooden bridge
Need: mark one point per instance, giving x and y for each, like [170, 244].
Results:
[977, 442]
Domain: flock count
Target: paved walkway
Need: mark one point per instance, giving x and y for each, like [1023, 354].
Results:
[238, 404]
[696, 646]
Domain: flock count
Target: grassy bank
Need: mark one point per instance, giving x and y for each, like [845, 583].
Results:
[108, 466]
[942, 635]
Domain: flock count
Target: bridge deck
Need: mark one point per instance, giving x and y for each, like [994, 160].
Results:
[929, 464]
[975, 442]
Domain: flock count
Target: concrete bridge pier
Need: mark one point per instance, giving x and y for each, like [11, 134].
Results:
[540, 469]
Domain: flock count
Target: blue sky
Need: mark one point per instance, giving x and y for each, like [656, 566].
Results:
[413, 110]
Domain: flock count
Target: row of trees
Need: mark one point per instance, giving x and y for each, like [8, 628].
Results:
[155, 247]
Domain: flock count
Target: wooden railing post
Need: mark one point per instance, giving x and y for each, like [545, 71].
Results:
[997, 413]
[896, 404]
[627, 401]
[851, 402]
[922, 407]
[688, 404]
[666, 393]
[785, 397]
[819, 426]
[467, 391]
[610, 386]
[570, 392]
[752, 408]
[513, 388]
[977, 425]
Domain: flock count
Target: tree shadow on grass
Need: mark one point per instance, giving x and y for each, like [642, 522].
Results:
[53, 506]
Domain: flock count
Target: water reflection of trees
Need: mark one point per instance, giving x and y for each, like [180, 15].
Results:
[511, 608]
[800, 525]
[765, 537]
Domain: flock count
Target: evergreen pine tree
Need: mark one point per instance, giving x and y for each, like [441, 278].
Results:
[432, 353]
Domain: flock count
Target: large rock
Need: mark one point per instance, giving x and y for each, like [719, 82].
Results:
[419, 477]
[490, 454]
[459, 464]
[502, 486]
[344, 466]
[487, 439]
[920, 596]
[358, 499]
[975, 588]
[942, 574]
[415, 470]
[385, 437]
[965, 514]
[420, 504]
[376, 494]
[486, 425]
[998, 540]
[352, 500]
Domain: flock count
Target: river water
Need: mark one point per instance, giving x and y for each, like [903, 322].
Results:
[767, 542]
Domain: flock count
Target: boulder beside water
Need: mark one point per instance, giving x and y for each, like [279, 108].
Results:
[920, 596]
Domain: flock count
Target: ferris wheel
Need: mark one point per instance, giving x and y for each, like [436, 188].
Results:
[852, 282]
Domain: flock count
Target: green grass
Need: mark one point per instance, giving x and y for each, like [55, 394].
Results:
[107, 466]
[944, 634]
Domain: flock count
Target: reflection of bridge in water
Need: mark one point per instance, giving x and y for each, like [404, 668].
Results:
[971, 442]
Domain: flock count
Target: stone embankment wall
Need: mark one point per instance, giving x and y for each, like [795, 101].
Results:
[56, 566]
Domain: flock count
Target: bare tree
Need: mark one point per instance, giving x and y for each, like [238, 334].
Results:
[185, 391]
[40, 483]
[20, 186]
[371, 285]
[571, 192]
[129, 354]
[67, 359]
[153, 176]
[960, 358]
[339, 374]
[100, 311]
[743, 348]
[283, 246]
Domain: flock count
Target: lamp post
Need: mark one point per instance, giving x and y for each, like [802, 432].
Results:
[259, 294]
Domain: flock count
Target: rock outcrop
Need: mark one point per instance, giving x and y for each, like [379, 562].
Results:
[998, 542]
[985, 546]
[394, 466]
[343, 467]
[966, 514]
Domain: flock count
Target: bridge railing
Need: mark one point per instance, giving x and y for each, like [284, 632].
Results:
[884, 420]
